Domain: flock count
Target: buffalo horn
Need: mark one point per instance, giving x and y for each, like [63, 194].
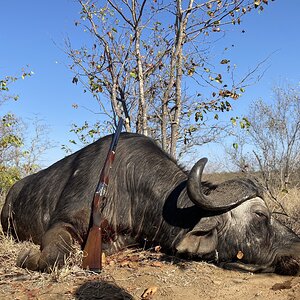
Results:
[224, 196]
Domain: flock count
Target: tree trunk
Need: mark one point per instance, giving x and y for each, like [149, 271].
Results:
[181, 22]
[142, 126]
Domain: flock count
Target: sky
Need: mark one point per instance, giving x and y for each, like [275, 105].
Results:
[33, 33]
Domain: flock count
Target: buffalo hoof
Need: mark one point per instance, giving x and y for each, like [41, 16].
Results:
[57, 244]
[29, 259]
[44, 261]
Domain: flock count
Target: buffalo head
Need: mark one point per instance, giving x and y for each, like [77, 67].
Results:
[239, 232]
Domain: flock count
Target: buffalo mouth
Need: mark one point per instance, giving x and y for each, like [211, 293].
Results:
[284, 265]
[243, 267]
[287, 265]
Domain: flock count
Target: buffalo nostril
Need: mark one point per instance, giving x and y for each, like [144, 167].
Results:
[287, 265]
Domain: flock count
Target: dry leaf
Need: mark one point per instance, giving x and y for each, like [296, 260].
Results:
[125, 263]
[103, 258]
[133, 265]
[240, 254]
[157, 264]
[257, 3]
[149, 292]
[157, 248]
[134, 258]
[112, 263]
[129, 264]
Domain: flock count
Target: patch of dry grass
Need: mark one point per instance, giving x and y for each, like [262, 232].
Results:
[127, 275]
[75, 283]
[63, 282]
[291, 204]
[10, 250]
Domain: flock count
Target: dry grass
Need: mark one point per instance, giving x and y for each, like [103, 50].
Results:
[76, 283]
[291, 204]
[9, 252]
[135, 271]
[129, 273]
[70, 281]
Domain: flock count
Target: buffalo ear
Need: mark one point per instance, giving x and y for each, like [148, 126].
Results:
[201, 240]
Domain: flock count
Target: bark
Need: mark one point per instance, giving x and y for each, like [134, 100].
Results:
[175, 75]
[142, 126]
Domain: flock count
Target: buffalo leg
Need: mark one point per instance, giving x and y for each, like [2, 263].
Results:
[56, 246]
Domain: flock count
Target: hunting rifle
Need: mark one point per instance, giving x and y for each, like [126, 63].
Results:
[92, 258]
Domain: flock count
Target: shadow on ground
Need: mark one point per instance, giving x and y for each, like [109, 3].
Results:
[101, 290]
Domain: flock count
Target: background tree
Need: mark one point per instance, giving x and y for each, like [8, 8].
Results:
[20, 153]
[271, 146]
[154, 54]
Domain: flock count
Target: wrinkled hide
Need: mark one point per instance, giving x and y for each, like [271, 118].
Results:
[262, 241]
[150, 201]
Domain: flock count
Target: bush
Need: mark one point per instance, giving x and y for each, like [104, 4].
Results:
[8, 176]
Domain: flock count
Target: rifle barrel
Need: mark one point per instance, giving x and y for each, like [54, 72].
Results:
[93, 246]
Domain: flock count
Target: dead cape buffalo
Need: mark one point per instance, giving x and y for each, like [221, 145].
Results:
[150, 198]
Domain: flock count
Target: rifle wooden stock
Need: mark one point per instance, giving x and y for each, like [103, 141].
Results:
[92, 258]
[92, 252]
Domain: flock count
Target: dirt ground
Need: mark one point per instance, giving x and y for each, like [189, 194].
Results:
[133, 274]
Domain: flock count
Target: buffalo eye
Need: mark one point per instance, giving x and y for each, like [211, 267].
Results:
[261, 215]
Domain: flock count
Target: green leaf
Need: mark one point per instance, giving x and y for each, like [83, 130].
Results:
[133, 74]
[233, 121]
[235, 146]
[246, 122]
